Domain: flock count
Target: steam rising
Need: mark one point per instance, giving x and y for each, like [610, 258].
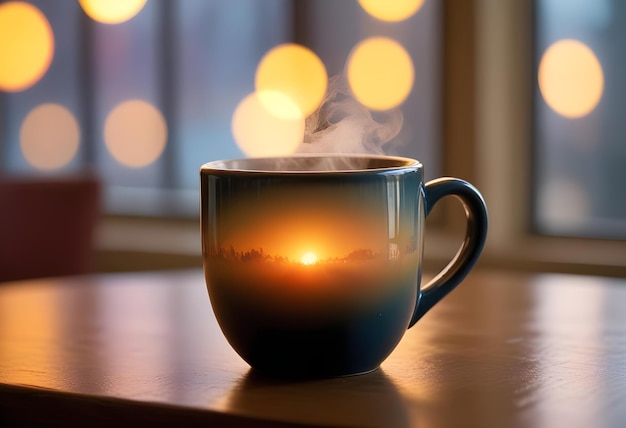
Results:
[343, 125]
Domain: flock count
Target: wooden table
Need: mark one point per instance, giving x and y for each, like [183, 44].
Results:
[503, 350]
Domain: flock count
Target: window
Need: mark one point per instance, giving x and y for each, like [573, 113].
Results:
[579, 134]
[153, 97]
[476, 110]
[174, 71]
[513, 156]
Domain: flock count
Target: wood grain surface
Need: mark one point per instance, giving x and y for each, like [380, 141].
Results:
[503, 350]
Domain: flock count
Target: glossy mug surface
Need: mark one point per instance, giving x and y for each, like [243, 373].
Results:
[313, 263]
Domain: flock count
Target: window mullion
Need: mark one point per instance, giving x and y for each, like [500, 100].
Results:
[167, 87]
[86, 91]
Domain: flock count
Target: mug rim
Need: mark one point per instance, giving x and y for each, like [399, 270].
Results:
[396, 163]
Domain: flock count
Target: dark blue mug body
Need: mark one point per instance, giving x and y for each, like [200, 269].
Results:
[313, 263]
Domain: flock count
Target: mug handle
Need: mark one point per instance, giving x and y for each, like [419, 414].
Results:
[467, 256]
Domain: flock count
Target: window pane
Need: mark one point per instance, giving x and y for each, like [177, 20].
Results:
[217, 50]
[579, 104]
[335, 27]
[193, 60]
[126, 77]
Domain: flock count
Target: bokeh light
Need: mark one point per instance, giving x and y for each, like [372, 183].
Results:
[295, 71]
[258, 132]
[26, 46]
[380, 73]
[49, 136]
[112, 11]
[135, 133]
[394, 10]
[280, 105]
[570, 77]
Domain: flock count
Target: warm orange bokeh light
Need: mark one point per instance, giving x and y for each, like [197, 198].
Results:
[26, 46]
[112, 11]
[49, 137]
[571, 78]
[135, 133]
[380, 73]
[308, 258]
[295, 71]
[396, 10]
[293, 221]
[258, 132]
[280, 105]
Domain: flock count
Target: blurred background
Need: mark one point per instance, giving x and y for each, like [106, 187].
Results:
[521, 98]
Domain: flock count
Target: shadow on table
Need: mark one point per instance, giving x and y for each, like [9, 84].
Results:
[367, 400]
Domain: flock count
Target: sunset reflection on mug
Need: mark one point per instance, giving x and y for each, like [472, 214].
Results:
[311, 247]
[308, 258]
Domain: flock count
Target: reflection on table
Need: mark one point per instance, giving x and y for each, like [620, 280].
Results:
[502, 350]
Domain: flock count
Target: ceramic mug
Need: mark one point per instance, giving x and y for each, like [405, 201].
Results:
[313, 263]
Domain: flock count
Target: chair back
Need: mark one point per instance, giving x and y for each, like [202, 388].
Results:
[47, 226]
